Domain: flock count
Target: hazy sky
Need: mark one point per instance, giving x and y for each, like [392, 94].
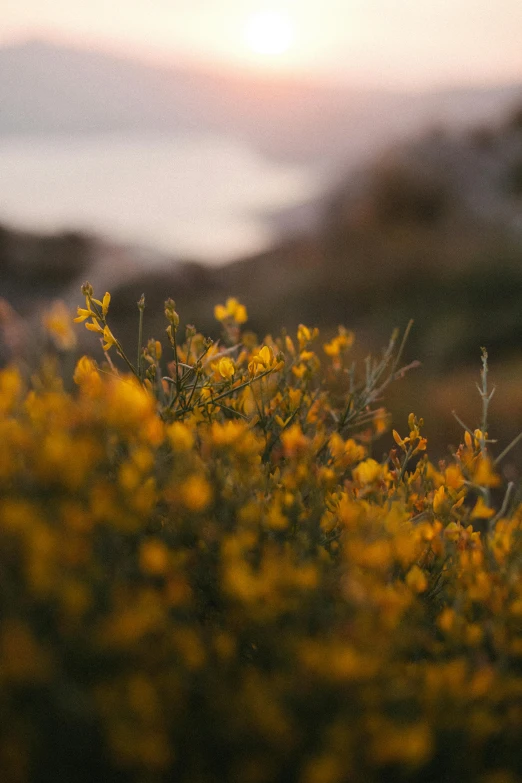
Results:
[409, 43]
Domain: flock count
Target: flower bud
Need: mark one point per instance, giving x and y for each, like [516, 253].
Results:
[170, 334]
[171, 314]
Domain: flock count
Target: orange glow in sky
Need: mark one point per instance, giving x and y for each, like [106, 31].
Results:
[394, 43]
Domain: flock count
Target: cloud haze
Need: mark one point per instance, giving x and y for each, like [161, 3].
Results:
[411, 43]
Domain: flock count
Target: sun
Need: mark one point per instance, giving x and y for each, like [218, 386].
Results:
[269, 33]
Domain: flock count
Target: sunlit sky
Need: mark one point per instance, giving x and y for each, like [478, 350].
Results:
[395, 43]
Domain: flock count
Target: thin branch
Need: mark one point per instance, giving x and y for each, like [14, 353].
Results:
[402, 345]
[141, 307]
[504, 507]
[508, 448]
[462, 424]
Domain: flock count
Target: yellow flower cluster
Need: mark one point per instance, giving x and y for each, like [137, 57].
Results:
[232, 310]
[207, 577]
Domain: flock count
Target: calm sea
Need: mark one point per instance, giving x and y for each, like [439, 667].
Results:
[200, 196]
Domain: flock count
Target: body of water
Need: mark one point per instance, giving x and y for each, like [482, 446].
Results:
[200, 196]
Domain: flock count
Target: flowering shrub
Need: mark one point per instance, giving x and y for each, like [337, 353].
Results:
[207, 575]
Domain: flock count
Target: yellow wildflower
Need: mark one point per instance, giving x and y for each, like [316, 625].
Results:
[481, 511]
[196, 493]
[416, 579]
[398, 440]
[58, 323]
[83, 314]
[226, 368]
[227, 433]
[339, 344]
[262, 361]
[294, 441]
[439, 499]
[305, 335]
[484, 475]
[299, 370]
[10, 387]
[408, 744]
[108, 339]
[446, 620]
[232, 310]
[154, 557]
[345, 452]
[94, 327]
[290, 347]
[105, 304]
[275, 518]
[453, 476]
[180, 436]
[85, 370]
[367, 472]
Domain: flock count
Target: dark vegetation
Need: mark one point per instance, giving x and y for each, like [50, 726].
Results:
[35, 266]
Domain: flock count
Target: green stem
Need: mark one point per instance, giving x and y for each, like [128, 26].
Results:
[193, 390]
[140, 340]
[405, 465]
[176, 359]
[129, 364]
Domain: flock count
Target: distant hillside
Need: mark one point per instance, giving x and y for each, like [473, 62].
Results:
[50, 89]
[425, 231]
[477, 170]
[431, 230]
[35, 267]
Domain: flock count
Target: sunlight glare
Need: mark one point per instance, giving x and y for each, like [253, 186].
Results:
[269, 33]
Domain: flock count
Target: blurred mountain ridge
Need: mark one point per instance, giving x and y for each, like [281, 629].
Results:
[441, 213]
[430, 230]
[46, 88]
